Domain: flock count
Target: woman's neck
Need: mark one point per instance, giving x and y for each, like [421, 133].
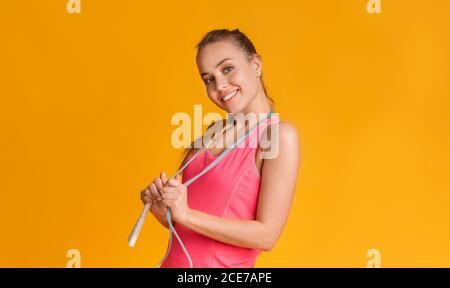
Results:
[259, 106]
[252, 114]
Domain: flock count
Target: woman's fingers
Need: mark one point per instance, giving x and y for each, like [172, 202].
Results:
[155, 191]
[155, 194]
[169, 193]
[174, 182]
[163, 177]
[159, 184]
[145, 196]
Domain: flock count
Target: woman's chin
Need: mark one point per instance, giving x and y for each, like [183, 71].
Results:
[232, 109]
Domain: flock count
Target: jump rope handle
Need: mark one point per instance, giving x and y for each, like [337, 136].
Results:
[138, 226]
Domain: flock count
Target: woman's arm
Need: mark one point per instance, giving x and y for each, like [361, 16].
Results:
[279, 177]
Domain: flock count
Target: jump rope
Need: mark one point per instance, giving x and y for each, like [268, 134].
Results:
[140, 222]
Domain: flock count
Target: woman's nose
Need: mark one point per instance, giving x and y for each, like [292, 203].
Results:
[221, 83]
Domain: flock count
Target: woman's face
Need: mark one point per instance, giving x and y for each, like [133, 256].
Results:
[229, 76]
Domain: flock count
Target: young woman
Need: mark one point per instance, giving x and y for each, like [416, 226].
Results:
[240, 207]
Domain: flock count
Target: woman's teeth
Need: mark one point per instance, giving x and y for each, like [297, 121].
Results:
[229, 96]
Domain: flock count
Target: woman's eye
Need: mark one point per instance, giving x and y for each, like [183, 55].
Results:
[226, 68]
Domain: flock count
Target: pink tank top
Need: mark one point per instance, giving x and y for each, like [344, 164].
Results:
[230, 190]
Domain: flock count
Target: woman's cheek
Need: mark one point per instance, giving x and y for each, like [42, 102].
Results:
[212, 95]
[216, 99]
[237, 79]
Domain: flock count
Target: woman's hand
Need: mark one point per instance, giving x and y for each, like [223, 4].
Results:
[174, 196]
[153, 194]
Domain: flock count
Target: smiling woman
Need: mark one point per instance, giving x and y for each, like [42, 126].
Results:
[235, 65]
[240, 207]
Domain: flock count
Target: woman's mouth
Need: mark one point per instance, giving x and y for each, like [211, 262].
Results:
[229, 96]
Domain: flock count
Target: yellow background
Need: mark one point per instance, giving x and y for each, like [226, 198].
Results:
[86, 103]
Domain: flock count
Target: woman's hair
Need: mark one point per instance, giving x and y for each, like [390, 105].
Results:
[241, 41]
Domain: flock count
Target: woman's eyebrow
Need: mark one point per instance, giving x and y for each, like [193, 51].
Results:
[223, 60]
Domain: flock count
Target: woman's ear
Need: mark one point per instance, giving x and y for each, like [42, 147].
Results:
[257, 64]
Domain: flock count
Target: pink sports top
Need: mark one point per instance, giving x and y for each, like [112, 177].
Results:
[229, 190]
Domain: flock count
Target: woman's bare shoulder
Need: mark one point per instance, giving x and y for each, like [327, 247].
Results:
[287, 130]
